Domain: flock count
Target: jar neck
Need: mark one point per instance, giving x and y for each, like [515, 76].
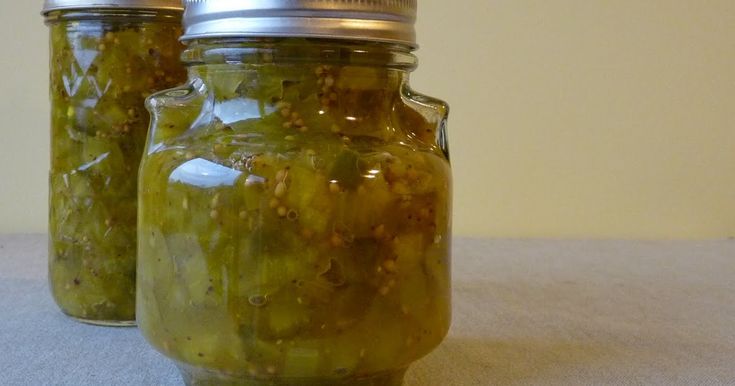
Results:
[290, 52]
[117, 15]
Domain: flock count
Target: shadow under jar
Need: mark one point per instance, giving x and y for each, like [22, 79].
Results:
[106, 58]
[294, 218]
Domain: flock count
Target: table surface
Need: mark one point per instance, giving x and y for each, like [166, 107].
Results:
[526, 312]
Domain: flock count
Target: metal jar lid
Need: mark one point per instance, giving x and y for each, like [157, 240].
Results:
[372, 20]
[62, 5]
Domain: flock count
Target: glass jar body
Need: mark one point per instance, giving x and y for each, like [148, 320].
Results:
[294, 219]
[104, 63]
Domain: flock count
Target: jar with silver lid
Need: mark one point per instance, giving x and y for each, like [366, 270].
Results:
[106, 58]
[295, 198]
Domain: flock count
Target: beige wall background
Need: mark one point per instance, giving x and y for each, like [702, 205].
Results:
[570, 118]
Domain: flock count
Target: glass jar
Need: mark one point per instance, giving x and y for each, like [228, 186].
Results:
[106, 58]
[294, 219]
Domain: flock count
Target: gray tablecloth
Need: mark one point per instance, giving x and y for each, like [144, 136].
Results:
[525, 313]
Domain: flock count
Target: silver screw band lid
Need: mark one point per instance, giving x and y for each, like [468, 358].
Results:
[371, 20]
[62, 5]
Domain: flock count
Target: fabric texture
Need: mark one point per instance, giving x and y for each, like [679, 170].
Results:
[525, 313]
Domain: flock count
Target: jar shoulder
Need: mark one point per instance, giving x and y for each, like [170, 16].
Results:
[196, 115]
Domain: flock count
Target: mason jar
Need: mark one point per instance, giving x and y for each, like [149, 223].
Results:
[295, 199]
[106, 58]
